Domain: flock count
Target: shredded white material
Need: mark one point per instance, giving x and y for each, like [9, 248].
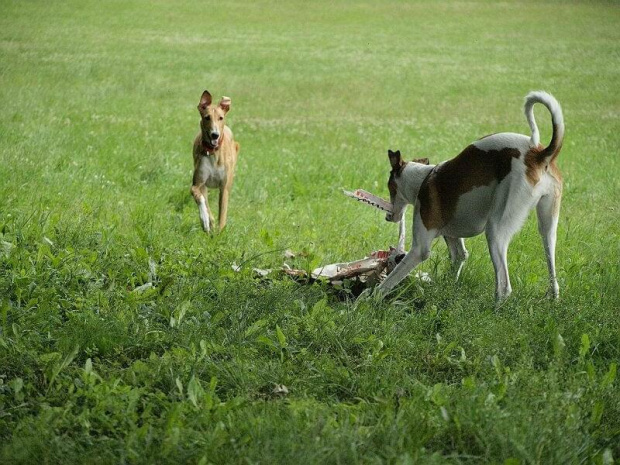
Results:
[369, 199]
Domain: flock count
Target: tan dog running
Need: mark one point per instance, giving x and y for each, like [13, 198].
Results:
[215, 158]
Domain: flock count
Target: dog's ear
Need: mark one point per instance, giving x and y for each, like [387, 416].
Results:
[225, 104]
[424, 161]
[396, 161]
[205, 101]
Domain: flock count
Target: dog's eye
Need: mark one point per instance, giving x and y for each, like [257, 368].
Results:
[221, 118]
[207, 118]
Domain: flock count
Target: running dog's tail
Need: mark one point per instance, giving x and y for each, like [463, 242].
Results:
[553, 149]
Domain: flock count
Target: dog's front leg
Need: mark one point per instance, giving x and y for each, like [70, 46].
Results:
[420, 251]
[401, 235]
[199, 192]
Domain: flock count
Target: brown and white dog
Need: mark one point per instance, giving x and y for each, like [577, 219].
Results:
[215, 158]
[490, 187]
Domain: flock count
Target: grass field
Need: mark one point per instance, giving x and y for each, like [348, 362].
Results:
[97, 117]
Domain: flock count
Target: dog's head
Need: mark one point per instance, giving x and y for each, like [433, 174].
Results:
[212, 119]
[395, 185]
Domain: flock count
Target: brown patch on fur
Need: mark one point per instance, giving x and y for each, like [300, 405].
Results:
[553, 150]
[392, 187]
[397, 164]
[536, 164]
[540, 159]
[533, 167]
[554, 171]
[557, 192]
[423, 161]
[440, 191]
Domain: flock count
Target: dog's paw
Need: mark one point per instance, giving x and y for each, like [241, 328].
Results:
[553, 293]
[372, 295]
[364, 296]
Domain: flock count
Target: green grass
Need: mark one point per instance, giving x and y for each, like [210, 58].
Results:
[97, 117]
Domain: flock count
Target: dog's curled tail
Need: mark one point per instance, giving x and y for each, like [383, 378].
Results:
[557, 119]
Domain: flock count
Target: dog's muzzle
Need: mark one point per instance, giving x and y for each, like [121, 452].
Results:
[389, 217]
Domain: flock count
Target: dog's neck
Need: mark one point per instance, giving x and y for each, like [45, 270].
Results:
[411, 179]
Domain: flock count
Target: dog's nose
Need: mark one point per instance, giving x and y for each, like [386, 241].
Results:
[215, 135]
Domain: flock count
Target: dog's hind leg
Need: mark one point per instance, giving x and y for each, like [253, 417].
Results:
[458, 253]
[498, 242]
[223, 212]
[548, 210]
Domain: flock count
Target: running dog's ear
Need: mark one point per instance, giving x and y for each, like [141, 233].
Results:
[424, 161]
[205, 101]
[396, 161]
[225, 104]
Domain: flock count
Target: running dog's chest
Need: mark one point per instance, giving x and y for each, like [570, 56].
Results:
[214, 175]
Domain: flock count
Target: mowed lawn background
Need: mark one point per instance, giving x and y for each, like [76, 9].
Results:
[125, 335]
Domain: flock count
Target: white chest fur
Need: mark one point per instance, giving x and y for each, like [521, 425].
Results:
[214, 175]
